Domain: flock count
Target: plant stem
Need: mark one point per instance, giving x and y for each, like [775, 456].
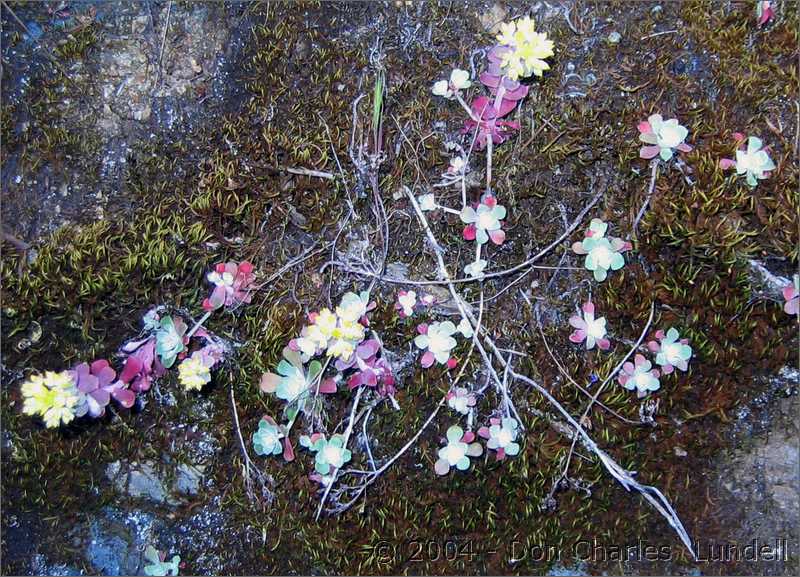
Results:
[198, 324]
[347, 433]
[489, 145]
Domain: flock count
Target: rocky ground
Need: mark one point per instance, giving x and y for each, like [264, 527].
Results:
[131, 128]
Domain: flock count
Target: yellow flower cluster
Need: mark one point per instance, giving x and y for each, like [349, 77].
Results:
[528, 49]
[336, 333]
[193, 373]
[53, 396]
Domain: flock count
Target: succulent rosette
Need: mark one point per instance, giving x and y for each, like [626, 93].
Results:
[461, 400]
[406, 301]
[142, 365]
[662, 137]
[589, 329]
[271, 439]
[752, 160]
[602, 253]
[639, 376]
[232, 285]
[437, 341]
[459, 80]
[501, 436]
[456, 453]
[54, 397]
[292, 383]
[483, 222]
[170, 340]
[99, 385]
[671, 351]
[330, 454]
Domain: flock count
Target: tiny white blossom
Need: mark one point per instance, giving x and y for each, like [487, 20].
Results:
[407, 302]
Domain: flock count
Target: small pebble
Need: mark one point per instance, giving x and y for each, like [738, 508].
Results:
[614, 38]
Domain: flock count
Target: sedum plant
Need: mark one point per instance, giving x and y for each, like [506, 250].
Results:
[456, 453]
[589, 329]
[483, 221]
[98, 385]
[662, 137]
[272, 439]
[170, 340]
[520, 50]
[437, 341]
[52, 396]
[195, 371]
[459, 80]
[639, 376]
[501, 436]
[752, 160]
[406, 301]
[293, 382]
[232, 285]
[461, 400]
[791, 294]
[671, 351]
[329, 453]
[157, 563]
[602, 253]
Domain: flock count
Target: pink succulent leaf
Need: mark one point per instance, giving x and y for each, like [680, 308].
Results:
[469, 232]
[288, 450]
[588, 307]
[131, 346]
[683, 147]
[653, 346]
[604, 344]
[427, 359]
[766, 12]
[327, 386]
[660, 334]
[505, 106]
[468, 437]
[497, 236]
[644, 127]
[269, 382]
[648, 152]
[792, 307]
[577, 322]
[452, 363]
[667, 369]
[422, 328]
[368, 349]
[484, 432]
[639, 360]
[739, 137]
[577, 248]
[629, 368]
[124, 397]
[578, 336]
[217, 298]
[501, 454]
